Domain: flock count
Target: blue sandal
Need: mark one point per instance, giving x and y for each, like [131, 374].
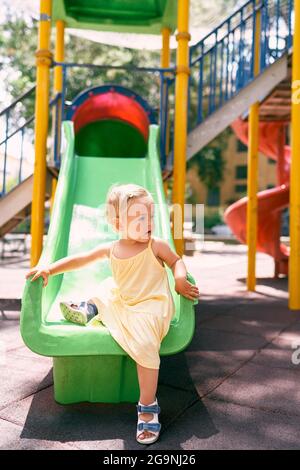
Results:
[152, 426]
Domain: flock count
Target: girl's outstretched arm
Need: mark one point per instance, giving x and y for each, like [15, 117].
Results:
[69, 263]
[182, 286]
[79, 260]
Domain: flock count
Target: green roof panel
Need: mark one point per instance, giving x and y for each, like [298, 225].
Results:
[128, 16]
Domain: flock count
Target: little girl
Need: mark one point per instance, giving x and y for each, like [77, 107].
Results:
[138, 306]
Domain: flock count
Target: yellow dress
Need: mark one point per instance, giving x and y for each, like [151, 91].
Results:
[136, 305]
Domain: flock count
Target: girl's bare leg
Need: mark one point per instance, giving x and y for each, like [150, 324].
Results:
[148, 379]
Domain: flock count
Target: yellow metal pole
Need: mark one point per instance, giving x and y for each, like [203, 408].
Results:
[294, 259]
[165, 63]
[53, 189]
[43, 62]
[59, 56]
[181, 117]
[165, 52]
[253, 136]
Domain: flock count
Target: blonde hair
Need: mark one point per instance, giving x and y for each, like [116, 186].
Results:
[118, 196]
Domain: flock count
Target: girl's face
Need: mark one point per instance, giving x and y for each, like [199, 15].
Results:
[139, 223]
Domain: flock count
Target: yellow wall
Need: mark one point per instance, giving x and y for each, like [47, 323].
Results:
[233, 158]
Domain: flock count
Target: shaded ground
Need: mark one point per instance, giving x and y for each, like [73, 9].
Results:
[235, 387]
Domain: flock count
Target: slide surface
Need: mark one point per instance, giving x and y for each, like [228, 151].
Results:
[78, 224]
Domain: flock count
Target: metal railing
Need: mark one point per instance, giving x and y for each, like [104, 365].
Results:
[12, 128]
[16, 125]
[222, 63]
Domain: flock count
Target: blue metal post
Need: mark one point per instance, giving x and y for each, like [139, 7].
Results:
[200, 87]
[21, 158]
[5, 151]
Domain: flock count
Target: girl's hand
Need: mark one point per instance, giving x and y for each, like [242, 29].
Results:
[186, 288]
[39, 271]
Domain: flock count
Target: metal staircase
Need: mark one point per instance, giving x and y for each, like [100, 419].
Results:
[16, 198]
[15, 206]
[222, 81]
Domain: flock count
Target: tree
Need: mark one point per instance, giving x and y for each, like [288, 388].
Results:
[210, 162]
[18, 43]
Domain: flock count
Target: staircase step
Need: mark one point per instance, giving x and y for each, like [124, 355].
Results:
[15, 206]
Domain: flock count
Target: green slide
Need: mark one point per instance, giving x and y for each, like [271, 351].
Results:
[88, 364]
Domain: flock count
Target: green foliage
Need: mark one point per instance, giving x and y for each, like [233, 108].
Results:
[82, 51]
[23, 227]
[212, 219]
[18, 43]
[18, 39]
[11, 183]
[209, 161]
[203, 13]
[17, 46]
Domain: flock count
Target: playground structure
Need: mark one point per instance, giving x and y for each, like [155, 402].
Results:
[233, 70]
